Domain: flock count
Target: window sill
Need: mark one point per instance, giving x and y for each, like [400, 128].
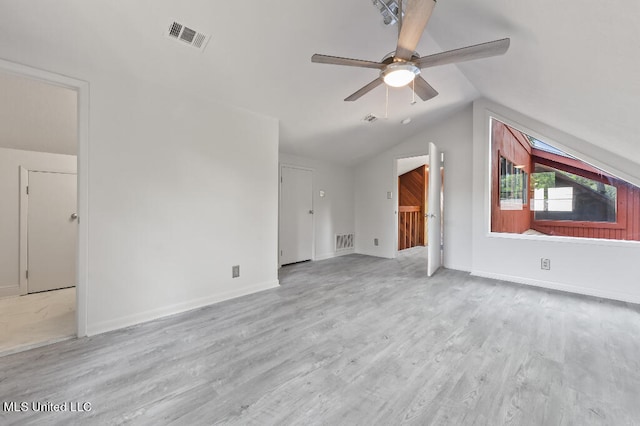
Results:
[579, 224]
[565, 240]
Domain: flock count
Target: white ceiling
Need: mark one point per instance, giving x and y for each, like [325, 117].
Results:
[572, 64]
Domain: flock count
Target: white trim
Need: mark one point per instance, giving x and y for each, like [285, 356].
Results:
[82, 89]
[9, 291]
[334, 254]
[612, 295]
[58, 170]
[295, 166]
[566, 240]
[455, 267]
[24, 207]
[153, 314]
[82, 289]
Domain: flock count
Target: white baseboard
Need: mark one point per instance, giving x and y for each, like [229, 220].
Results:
[457, 267]
[334, 254]
[129, 320]
[9, 291]
[604, 294]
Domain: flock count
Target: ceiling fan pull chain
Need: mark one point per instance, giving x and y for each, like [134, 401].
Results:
[386, 109]
[413, 96]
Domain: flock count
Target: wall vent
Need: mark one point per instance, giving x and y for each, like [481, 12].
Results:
[370, 118]
[189, 36]
[344, 241]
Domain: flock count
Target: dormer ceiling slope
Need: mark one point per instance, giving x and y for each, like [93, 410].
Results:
[572, 65]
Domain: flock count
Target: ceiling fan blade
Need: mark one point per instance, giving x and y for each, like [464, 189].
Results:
[416, 15]
[483, 50]
[424, 89]
[400, 10]
[366, 89]
[335, 60]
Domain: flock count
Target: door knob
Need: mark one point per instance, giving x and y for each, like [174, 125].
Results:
[310, 211]
[74, 216]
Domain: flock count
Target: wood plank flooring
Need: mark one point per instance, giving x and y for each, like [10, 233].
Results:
[354, 340]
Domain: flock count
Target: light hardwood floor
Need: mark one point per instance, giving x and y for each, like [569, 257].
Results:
[352, 340]
[36, 319]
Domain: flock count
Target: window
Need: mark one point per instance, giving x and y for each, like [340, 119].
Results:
[560, 195]
[513, 186]
[539, 189]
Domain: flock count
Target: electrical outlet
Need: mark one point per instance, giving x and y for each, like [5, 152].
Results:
[545, 264]
[375, 241]
[235, 271]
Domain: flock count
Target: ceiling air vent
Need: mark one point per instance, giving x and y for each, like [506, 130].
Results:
[370, 118]
[180, 32]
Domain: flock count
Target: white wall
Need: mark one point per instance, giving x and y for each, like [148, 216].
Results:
[180, 187]
[375, 214]
[333, 213]
[10, 162]
[175, 187]
[37, 116]
[589, 266]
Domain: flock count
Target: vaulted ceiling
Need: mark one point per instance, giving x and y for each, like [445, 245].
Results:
[572, 64]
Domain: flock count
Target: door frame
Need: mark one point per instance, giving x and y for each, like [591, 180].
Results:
[313, 207]
[436, 182]
[396, 215]
[82, 89]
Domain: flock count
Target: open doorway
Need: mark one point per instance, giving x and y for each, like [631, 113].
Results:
[39, 253]
[413, 180]
[420, 208]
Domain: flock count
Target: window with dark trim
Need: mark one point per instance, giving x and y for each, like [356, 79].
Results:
[513, 186]
[540, 189]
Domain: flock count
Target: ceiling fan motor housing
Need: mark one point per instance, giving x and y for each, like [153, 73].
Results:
[398, 74]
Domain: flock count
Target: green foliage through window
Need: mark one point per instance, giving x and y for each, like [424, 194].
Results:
[561, 195]
[513, 186]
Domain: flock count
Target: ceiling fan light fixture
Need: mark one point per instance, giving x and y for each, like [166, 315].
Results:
[399, 74]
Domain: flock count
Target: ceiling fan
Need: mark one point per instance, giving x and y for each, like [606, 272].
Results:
[403, 66]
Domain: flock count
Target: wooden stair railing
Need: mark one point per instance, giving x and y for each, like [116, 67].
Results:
[411, 227]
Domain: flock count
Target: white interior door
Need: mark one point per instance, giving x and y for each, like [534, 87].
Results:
[434, 224]
[296, 215]
[52, 231]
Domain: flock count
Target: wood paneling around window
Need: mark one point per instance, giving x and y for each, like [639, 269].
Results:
[513, 146]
